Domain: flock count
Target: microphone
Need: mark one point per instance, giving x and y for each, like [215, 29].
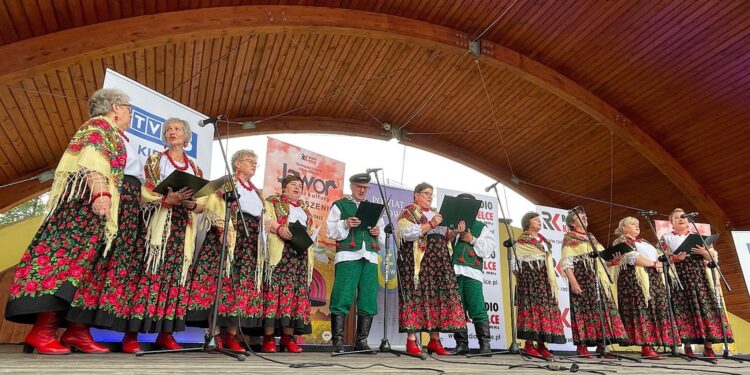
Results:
[689, 216]
[647, 213]
[210, 120]
[488, 188]
[372, 170]
[578, 209]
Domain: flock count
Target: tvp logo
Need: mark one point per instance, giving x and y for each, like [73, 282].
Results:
[148, 127]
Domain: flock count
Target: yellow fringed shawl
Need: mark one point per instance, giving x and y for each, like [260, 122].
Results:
[277, 210]
[577, 247]
[530, 250]
[641, 275]
[411, 215]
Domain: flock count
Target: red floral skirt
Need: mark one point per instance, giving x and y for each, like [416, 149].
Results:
[160, 301]
[286, 296]
[695, 307]
[105, 298]
[60, 257]
[538, 312]
[240, 302]
[435, 303]
[645, 323]
[586, 322]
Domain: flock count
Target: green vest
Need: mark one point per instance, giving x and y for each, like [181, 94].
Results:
[463, 252]
[357, 236]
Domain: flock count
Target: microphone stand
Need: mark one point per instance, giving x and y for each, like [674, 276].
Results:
[667, 278]
[715, 269]
[209, 344]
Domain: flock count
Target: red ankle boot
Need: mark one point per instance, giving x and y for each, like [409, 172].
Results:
[269, 344]
[412, 347]
[130, 343]
[543, 350]
[436, 346]
[689, 351]
[648, 352]
[287, 342]
[166, 341]
[42, 336]
[79, 337]
[708, 351]
[583, 351]
[529, 349]
[231, 343]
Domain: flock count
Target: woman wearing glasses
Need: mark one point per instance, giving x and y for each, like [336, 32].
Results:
[430, 300]
[80, 225]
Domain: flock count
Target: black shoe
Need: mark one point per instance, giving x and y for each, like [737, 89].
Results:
[337, 333]
[462, 343]
[483, 336]
[364, 323]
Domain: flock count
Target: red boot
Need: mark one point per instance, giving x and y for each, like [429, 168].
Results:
[166, 341]
[42, 336]
[689, 351]
[130, 343]
[436, 346]
[543, 350]
[648, 352]
[78, 336]
[708, 351]
[231, 343]
[583, 351]
[287, 342]
[269, 344]
[529, 349]
[412, 347]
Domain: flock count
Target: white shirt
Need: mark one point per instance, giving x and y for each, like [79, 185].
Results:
[338, 231]
[166, 168]
[646, 250]
[251, 202]
[674, 240]
[297, 214]
[413, 232]
[484, 245]
[133, 165]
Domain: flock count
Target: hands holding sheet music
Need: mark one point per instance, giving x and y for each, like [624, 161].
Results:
[700, 250]
[176, 197]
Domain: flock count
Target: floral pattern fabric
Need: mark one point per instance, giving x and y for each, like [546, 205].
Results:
[538, 312]
[645, 323]
[286, 294]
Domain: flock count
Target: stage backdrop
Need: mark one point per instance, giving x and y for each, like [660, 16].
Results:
[742, 244]
[323, 183]
[493, 287]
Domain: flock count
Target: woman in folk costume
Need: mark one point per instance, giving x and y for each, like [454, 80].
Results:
[240, 301]
[641, 294]
[536, 289]
[105, 298]
[578, 266]
[80, 223]
[287, 273]
[695, 306]
[430, 299]
[161, 298]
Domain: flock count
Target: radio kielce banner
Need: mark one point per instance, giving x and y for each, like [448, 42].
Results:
[493, 287]
[322, 184]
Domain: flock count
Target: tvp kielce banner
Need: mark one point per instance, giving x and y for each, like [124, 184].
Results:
[492, 286]
[322, 184]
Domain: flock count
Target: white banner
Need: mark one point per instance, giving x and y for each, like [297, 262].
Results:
[493, 287]
[150, 109]
[554, 228]
[742, 245]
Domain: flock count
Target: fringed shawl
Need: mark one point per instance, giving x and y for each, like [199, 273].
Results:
[277, 210]
[576, 247]
[411, 215]
[530, 250]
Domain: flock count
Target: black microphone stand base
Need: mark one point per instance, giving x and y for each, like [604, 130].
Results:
[205, 348]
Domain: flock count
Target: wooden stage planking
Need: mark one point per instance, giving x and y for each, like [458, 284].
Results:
[13, 361]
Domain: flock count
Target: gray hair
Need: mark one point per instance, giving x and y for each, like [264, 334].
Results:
[625, 221]
[526, 219]
[185, 128]
[241, 154]
[102, 100]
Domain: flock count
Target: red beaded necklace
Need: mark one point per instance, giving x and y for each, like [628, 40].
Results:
[184, 167]
[249, 186]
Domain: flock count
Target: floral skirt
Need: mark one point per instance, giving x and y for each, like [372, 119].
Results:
[105, 298]
[60, 257]
[286, 296]
[160, 301]
[538, 312]
[586, 322]
[434, 304]
[240, 302]
[695, 307]
[646, 323]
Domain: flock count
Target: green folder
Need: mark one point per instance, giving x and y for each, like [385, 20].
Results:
[456, 209]
[369, 214]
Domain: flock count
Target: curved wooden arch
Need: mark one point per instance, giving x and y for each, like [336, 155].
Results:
[66, 46]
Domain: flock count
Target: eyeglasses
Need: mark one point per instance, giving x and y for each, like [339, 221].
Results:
[130, 107]
[251, 161]
[426, 194]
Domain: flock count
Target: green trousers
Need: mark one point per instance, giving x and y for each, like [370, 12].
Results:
[355, 277]
[472, 298]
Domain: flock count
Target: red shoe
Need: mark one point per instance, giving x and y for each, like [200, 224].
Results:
[166, 341]
[412, 347]
[130, 343]
[42, 336]
[708, 351]
[231, 343]
[583, 351]
[648, 352]
[600, 351]
[543, 350]
[529, 349]
[269, 344]
[689, 351]
[287, 342]
[78, 336]
[436, 346]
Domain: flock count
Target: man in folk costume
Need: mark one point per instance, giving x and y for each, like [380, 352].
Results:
[356, 264]
[469, 250]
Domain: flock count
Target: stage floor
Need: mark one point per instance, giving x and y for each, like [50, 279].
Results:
[12, 360]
